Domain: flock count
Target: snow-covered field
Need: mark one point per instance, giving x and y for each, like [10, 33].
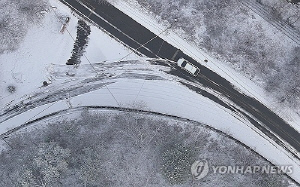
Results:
[29, 65]
[42, 55]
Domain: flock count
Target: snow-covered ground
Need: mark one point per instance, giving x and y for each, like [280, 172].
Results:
[43, 54]
[141, 15]
[164, 96]
[27, 67]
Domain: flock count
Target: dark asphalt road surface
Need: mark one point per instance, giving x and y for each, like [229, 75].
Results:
[134, 35]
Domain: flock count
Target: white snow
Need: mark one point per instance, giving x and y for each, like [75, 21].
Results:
[28, 66]
[102, 47]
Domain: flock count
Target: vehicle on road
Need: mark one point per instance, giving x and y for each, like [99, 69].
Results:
[187, 66]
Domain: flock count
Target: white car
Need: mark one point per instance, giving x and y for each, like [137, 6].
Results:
[187, 66]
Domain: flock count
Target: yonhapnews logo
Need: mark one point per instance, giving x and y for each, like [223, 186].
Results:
[201, 168]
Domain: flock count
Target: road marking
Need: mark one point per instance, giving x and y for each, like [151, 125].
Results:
[92, 10]
[173, 57]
